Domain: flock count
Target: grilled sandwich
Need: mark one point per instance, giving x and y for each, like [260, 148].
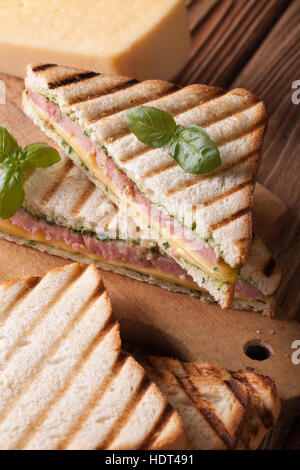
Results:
[65, 382]
[66, 215]
[87, 112]
[220, 409]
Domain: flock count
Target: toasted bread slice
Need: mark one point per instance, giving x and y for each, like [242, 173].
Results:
[63, 195]
[220, 203]
[65, 383]
[220, 409]
[221, 292]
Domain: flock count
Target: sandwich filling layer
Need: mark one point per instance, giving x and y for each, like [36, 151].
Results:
[183, 241]
[129, 255]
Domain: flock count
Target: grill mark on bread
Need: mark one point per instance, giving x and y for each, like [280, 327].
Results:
[239, 394]
[43, 67]
[134, 102]
[205, 409]
[269, 267]
[160, 170]
[110, 324]
[74, 276]
[169, 165]
[158, 428]
[214, 118]
[83, 198]
[184, 366]
[126, 132]
[260, 125]
[230, 219]
[137, 154]
[30, 284]
[264, 414]
[239, 385]
[206, 125]
[58, 295]
[28, 174]
[200, 179]
[69, 381]
[230, 192]
[84, 98]
[45, 199]
[127, 413]
[69, 80]
[220, 144]
[82, 419]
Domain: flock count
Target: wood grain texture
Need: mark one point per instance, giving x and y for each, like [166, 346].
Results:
[225, 33]
[270, 75]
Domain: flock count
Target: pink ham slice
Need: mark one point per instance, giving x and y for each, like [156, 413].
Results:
[108, 250]
[111, 170]
[246, 290]
[115, 249]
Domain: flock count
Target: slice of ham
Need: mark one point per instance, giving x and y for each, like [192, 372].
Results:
[124, 184]
[108, 250]
[246, 290]
[115, 250]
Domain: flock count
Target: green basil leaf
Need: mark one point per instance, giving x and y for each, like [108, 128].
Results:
[39, 155]
[8, 145]
[11, 192]
[194, 150]
[151, 126]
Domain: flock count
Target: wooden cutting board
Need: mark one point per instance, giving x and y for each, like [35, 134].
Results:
[176, 324]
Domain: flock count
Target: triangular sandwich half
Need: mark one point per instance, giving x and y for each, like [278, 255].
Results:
[66, 215]
[65, 383]
[203, 222]
[220, 409]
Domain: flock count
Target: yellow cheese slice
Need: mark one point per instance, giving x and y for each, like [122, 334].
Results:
[140, 38]
[39, 237]
[223, 272]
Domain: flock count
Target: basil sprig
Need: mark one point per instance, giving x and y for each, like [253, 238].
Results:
[190, 146]
[14, 160]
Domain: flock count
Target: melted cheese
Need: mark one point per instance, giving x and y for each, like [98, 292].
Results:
[39, 237]
[140, 38]
[223, 272]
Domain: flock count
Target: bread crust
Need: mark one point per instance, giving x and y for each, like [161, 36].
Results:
[234, 409]
[66, 382]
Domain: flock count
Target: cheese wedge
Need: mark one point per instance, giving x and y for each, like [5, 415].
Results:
[124, 37]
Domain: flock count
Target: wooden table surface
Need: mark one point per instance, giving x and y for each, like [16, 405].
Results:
[256, 44]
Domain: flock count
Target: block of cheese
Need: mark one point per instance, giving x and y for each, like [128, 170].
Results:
[136, 38]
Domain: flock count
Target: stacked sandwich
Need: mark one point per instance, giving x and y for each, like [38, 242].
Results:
[190, 232]
[67, 385]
